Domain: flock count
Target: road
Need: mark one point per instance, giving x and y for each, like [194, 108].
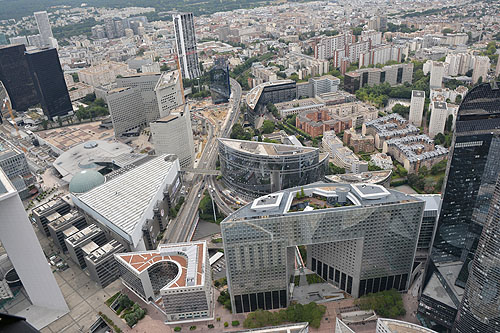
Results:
[182, 227]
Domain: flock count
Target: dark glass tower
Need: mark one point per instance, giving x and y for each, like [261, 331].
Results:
[16, 77]
[480, 307]
[219, 82]
[48, 77]
[471, 175]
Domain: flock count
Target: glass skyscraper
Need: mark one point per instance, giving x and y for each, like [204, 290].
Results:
[219, 81]
[471, 175]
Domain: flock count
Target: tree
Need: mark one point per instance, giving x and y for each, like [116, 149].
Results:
[273, 109]
[449, 123]
[45, 124]
[267, 127]
[458, 99]
[401, 110]
[388, 303]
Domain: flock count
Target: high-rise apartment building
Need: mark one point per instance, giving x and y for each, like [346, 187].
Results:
[437, 122]
[481, 68]
[417, 107]
[48, 78]
[42, 21]
[360, 237]
[472, 171]
[219, 81]
[187, 52]
[21, 244]
[437, 73]
[16, 77]
[173, 134]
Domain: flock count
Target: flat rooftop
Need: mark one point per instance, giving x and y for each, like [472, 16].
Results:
[398, 326]
[190, 258]
[279, 203]
[64, 138]
[264, 148]
[369, 177]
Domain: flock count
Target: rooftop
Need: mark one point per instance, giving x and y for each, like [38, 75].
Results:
[392, 125]
[190, 258]
[369, 177]
[264, 148]
[417, 147]
[121, 202]
[341, 196]
[167, 78]
[398, 326]
[417, 93]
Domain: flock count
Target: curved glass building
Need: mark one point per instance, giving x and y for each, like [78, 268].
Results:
[253, 169]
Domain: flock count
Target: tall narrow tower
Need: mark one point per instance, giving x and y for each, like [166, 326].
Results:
[42, 21]
[24, 251]
[185, 37]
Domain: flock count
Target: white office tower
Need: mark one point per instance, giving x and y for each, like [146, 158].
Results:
[481, 67]
[168, 92]
[42, 21]
[417, 107]
[19, 240]
[437, 73]
[146, 84]
[185, 37]
[439, 113]
[173, 135]
[127, 110]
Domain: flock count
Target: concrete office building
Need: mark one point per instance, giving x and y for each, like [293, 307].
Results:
[18, 40]
[274, 92]
[21, 244]
[481, 68]
[417, 107]
[41, 213]
[146, 84]
[253, 169]
[437, 73]
[126, 110]
[101, 263]
[173, 135]
[324, 84]
[168, 93]
[429, 223]
[42, 21]
[468, 191]
[103, 74]
[360, 237]
[175, 277]
[345, 158]
[62, 223]
[48, 78]
[437, 122]
[396, 326]
[16, 77]
[150, 186]
[15, 166]
[185, 37]
[83, 242]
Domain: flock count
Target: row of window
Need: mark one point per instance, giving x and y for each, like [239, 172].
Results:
[264, 300]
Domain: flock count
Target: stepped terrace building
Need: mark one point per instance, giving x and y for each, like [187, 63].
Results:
[258, 168]
[176, 278]
[362, 238]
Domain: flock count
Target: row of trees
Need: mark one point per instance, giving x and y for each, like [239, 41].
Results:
[296, 313]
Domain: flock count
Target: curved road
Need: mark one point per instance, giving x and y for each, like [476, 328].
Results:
[182, 228]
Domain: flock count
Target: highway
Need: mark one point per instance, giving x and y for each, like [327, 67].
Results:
[181, 229]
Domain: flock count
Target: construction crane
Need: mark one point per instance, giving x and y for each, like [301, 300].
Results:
[6, 104]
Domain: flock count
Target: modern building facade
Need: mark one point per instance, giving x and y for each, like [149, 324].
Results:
[150, 186]
[146, 84]
[16, 77]
[48, 78]
[126, 110]
[185, 37]
[176, 277]
[219, 81]
[392, 74]
[269, 92]
[40, 214]
[42, 21]
[62, 223]
[173, 135]
[101, 263]
[254, 169]
[15, 166]
[83, 242]
[21, 244]
[417, 107]
[472, 172]
[360, 237]
[168, 93]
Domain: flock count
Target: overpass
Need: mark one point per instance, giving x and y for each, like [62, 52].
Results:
[200, 171]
